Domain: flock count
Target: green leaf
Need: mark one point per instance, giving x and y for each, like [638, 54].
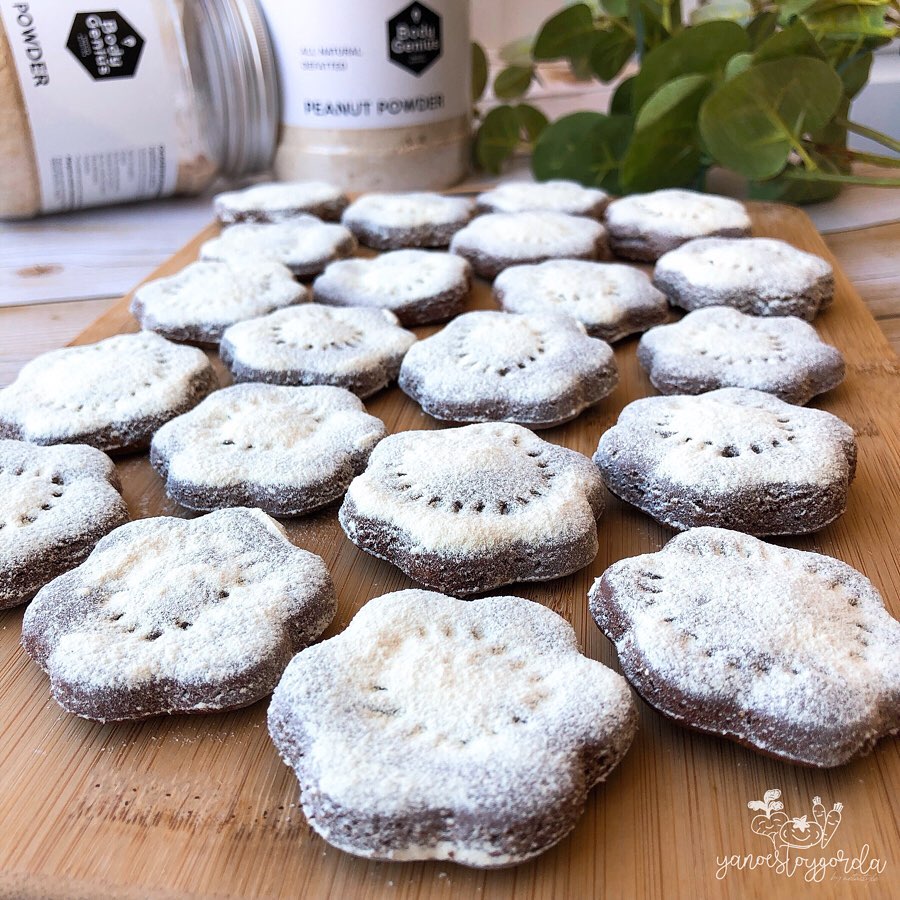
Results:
[738, 63]
[531, 120]
[618, 9]
[568, 33]
[790, 8]
[661, 158]
[723, 10]
[497, 138]
[787, 190]
[752, 122]
[586, 147]
[795, 40]
[612, 49]
[513, 82]
[702, 49]
[762, 27]
[517, 52]
[479, 71]
[850, 22]
[622, 98]
[674, 105]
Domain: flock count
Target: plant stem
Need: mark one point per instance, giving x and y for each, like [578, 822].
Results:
[870, 133]
[889, 162]
[803, 175]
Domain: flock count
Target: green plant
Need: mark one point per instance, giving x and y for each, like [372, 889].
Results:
[759, 87]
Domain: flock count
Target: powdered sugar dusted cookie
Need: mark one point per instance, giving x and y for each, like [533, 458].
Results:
[734, 458]
[487, 366]
[611, 300]
[496, 241]
[393, 221]
[644, 226]
[555, 196]
[279, 201]
[286, 450]
[758, 276]
[55, 504]
[112, 395]
[417, 286]
[172, 616]
[465, 510]
[354, 348]
[304, 244]
[721, 347]
[787, 652]
[198, 303]
[443, 766]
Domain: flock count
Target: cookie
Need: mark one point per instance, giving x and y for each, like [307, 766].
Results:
[555, 195]
[304, 244]
[285, 450]
[354, 348]
[496, 241]
[484, 758]
[758, 276]
[488, 366]
[468, 509]
[721, 347]
[611, 300]
[280, 201]
[394, 221]
[55, 504]
[112, 395]
[733, 458]
[789, 653]
[417, 286]
[645, 226]
[178, 616]
[198, 303]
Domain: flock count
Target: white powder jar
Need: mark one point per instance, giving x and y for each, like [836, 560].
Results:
[376, 94]
[150, 99]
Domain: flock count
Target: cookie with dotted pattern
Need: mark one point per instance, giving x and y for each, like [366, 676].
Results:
[645, 226]
[487, 366]
[306, 245]
[611, 300]
[280, 201]
[496, 241]
[178, 616]
[441, 766]
[355, 348]
[721, 347]
[733, 458]
[198, 303]
[55, 504]
[465, 510]
[790, 653]
[758, 276]
[556, 195]
[417, 219]
[112, 395]
[285, 450]
[417, 286]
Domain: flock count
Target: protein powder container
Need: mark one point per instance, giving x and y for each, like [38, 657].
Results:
[148, 99]
[376, 94]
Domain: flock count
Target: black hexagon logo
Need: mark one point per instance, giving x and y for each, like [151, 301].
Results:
[106, 44]
[414, 38]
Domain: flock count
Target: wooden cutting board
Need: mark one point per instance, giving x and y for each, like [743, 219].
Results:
[202, 805]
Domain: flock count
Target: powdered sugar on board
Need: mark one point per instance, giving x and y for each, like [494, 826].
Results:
[271, 441]
[198, 603]
[51, 499]
[792, 637]
[204, 298]
[556, 195]
[610, 299]
[116, 384]
[501, 692]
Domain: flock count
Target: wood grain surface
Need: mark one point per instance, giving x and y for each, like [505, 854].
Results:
[202, 806]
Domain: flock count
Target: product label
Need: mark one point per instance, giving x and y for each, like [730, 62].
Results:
[99, 93]
[378, 64]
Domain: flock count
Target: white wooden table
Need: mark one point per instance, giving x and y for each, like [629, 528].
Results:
[59, 273]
